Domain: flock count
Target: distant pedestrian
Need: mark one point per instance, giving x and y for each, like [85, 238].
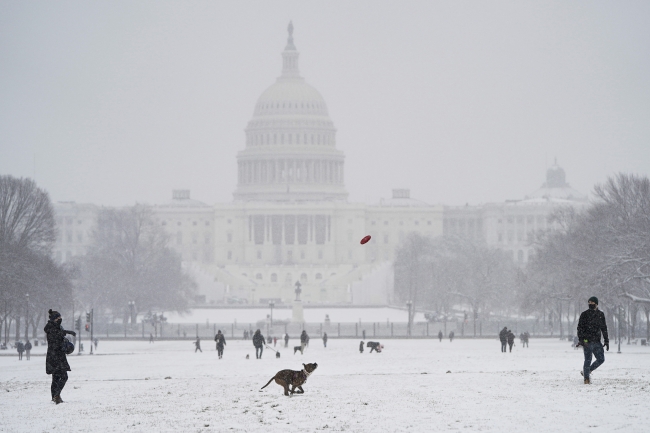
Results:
[28, 348]
[56, 362]
[184, 334]
[221, 342]
[440, 336]
[451, 336]
[511, 339]
[150, 338]
[286, 340]
[363, 333]
[526, 337]
[503, 338]
[20, 347]
[324, 339]
[361, 347]
[96, 341]
[197, 345]
[590, 326]
[258, 342]
[304, 340]
[275, 341]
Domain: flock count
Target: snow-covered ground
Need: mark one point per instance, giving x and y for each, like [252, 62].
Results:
[413, 386]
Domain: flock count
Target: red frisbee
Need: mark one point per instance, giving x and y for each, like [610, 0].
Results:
[365, 240]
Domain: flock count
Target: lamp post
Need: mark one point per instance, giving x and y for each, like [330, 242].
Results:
[409, 304]
[27, 317]
[271, 305]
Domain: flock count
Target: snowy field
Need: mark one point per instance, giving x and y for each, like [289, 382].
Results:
[406, 388]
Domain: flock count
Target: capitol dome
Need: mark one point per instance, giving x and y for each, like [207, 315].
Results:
[290, 152]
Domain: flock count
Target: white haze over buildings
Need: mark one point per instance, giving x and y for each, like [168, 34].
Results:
[117, 102]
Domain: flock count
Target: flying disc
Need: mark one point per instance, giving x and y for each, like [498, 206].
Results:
[365, 240]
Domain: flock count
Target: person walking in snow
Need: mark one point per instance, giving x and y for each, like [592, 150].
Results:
[56, 362]
[304, 340]
[324, 339]
[503, 337]
[451, 336]
[590, 326]
[440, 336]
[28, 348]
[150, 338]
[361, 347]
[511, 339]
[20, 347]
[197, 345]
[96, 341]
[286, 340]
[258, 342]
[526, 338]
[221, 342]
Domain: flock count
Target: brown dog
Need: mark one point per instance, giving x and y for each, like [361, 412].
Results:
[296, 379]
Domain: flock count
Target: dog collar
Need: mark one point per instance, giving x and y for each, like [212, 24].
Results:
[306, 374]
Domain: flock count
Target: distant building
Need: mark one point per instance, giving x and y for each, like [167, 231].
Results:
[513, 225]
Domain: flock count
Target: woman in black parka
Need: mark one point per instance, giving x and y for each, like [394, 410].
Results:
[56, 362]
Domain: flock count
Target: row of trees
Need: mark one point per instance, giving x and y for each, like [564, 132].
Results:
[30, 281]
[128, 268]
[602, 251]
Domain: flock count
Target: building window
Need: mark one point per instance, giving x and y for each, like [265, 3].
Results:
[258, 276]
[274, 278]
[319, 276]
[229, 255]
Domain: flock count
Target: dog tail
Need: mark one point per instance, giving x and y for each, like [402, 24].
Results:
[267, 383]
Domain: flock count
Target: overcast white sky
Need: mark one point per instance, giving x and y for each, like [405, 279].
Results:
[123, 101]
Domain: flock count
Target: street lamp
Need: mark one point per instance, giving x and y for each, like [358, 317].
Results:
[409, 304]
[271, 305]
[27, 317]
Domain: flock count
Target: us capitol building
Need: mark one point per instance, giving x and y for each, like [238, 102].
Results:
[290, 221]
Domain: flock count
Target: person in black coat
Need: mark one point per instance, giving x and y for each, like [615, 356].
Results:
[361, 347]
[20, 347]
[286, 340]
[590, 326]
[325, 339]
[440, 336]
[221, 342]
[304, 340]
[451, 336]
[503, 337]
[28, 348]
[258, 342]
[56, 362]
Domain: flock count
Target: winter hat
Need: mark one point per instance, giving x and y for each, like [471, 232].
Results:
[53, 315]
[594, 300]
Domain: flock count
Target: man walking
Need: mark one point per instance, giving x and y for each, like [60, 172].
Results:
[440, 336]
[258, 342]
[28, 348]
[511, 339]
[221, 342]
[503, 337]
[591, 324]
[197, 345]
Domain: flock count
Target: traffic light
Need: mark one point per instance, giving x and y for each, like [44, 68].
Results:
[77, 325]
[87, 317]
[87, 327]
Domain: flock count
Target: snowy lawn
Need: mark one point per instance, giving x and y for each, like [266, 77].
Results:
[405, 388]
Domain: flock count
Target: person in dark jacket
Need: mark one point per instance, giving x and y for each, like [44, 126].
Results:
[286, 340]
[221, 342]
[325, 339]
[56, 362]
[451, 336]
[304, 340]
[511, 339]
[503, 337]
[361, 347]
[197, 345]
[440, 336]
[591, 324]
[20, 347]
[28, 348]
[258, 342]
